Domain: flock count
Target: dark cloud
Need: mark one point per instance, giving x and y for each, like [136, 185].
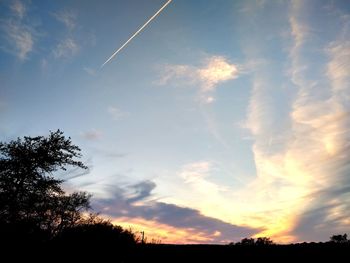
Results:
[317, 224]
[142, 190]
[122, 205]
[329, 210]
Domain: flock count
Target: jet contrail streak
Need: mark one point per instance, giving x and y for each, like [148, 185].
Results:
[136, 33]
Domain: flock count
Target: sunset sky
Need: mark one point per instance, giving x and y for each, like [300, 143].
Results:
[220, 120]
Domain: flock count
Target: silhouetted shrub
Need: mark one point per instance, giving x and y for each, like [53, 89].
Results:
[339, 238]
[247, 241]
[260, 241]
[263, 241]
[102, 233]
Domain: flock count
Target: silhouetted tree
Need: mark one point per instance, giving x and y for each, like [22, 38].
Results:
[339, 238]
[32, 201]
[247, 241]
[96, 231]
[263, 241]
[260, 241]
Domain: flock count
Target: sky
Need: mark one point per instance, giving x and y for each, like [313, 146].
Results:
[220, 120]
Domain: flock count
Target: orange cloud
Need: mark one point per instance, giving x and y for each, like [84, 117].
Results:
[155, 231]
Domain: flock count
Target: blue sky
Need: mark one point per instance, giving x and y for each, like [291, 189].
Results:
[220, 120]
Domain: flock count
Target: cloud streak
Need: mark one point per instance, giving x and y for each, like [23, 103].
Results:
[136, 33]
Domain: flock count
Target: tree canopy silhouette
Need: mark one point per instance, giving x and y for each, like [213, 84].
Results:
[260, 241]
[339, 238]
[32, 201]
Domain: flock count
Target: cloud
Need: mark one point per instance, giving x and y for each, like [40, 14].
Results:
[330, 216]
[322, 128]
[260, 109]
[22, 38]
[195, 171]
[142, 190]
[171, 72]
[339, 66]
[161, 217]
[299, 31]
[92, 135]
[116, 113]
[90, 71]
[18, 34]
[214, 71]
[196, 184]
[329, 125]
[302, 186]
[66, 17]
[66, 48]
[18, 8]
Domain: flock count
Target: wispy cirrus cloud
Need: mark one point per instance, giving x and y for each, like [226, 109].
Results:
[18, 8]
[321, 128]
[66, 48]
[68, 18]
[214, 71]
[22, 38]
[304, 171]
[18, 35]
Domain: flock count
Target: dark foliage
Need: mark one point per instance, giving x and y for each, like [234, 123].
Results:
[96, 231]
[34, 207]
[339, 238]
[260, 241]
[33, 204]
[263, 241]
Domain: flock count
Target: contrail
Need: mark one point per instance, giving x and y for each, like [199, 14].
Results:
[136, 33]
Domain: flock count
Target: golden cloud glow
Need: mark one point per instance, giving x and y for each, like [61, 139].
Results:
[217, 70]
[155, 231]
[214, 71]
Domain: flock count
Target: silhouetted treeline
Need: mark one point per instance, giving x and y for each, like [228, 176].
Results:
[38, 218]
[35, 211]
